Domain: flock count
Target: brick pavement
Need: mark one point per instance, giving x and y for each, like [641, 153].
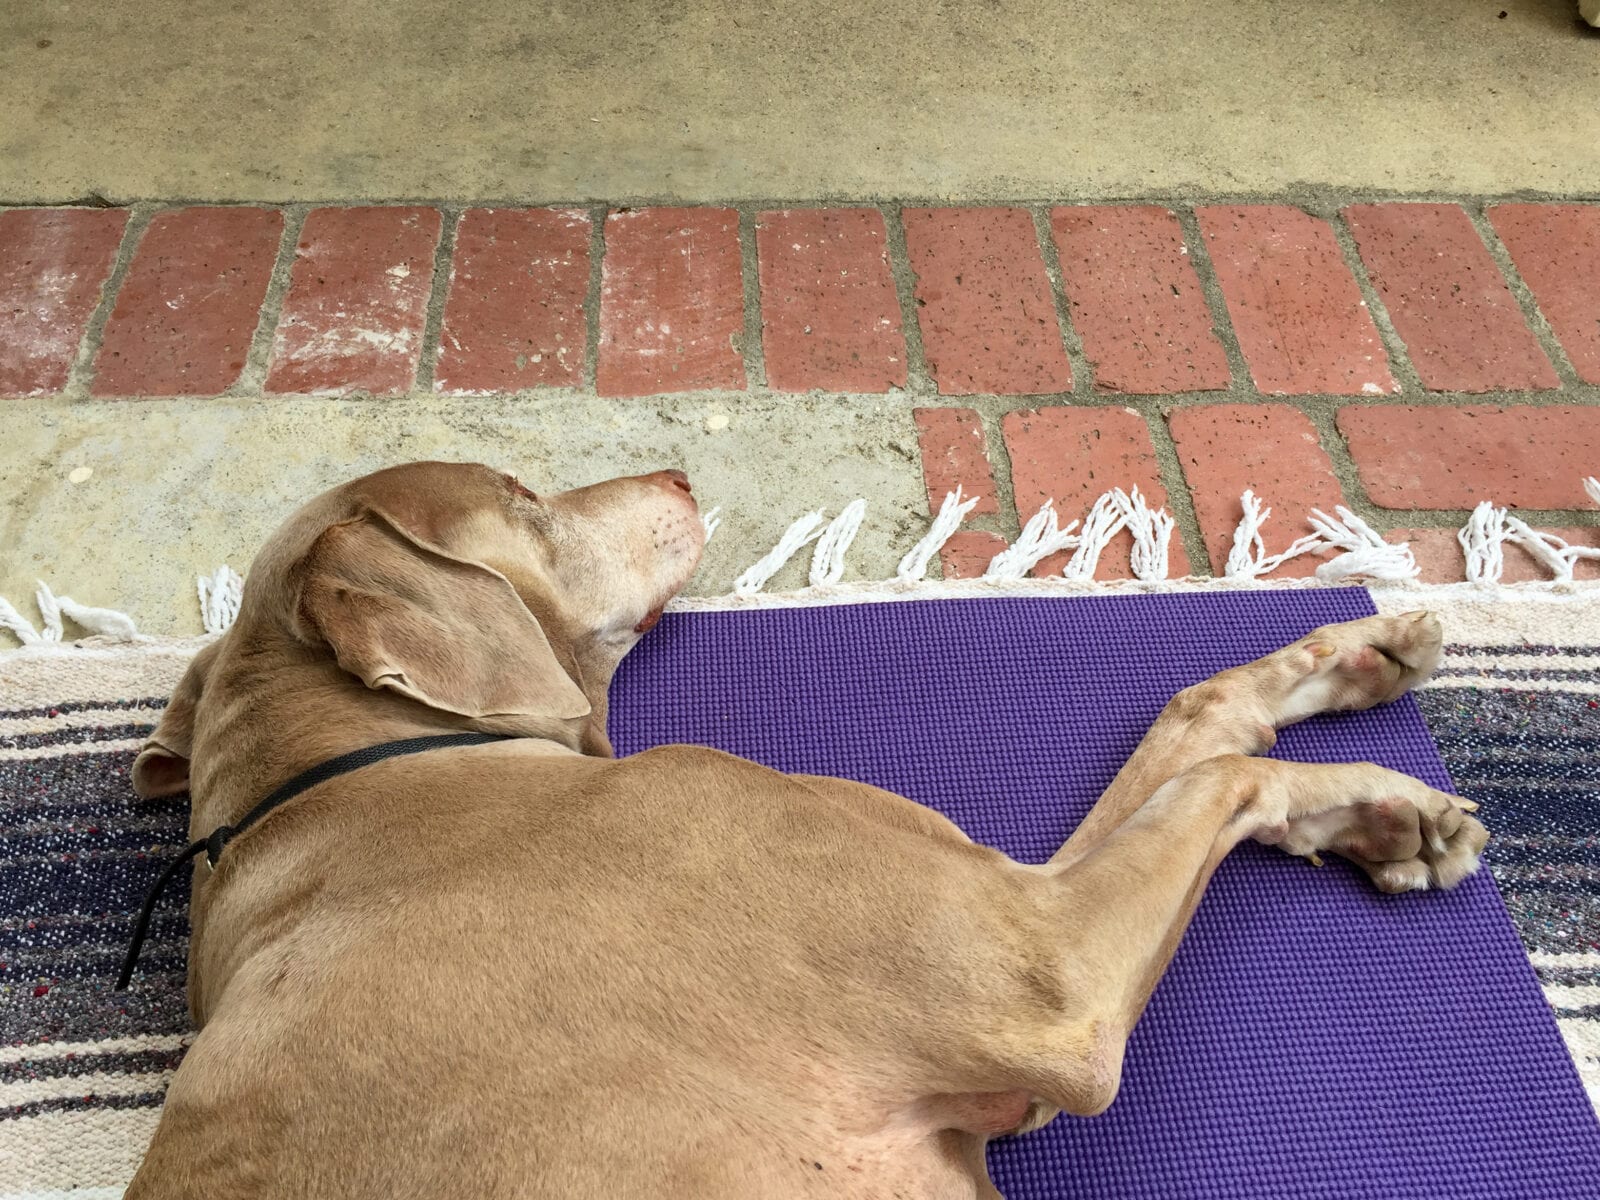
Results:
[1407, 359]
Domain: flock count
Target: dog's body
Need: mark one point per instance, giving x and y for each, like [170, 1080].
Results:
[528, 969]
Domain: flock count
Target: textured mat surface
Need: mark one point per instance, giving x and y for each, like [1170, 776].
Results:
[1313, 1037]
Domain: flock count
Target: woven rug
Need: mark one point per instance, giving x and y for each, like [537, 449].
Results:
[1313, 1038]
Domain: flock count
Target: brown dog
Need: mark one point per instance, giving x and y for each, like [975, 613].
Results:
[529, 969]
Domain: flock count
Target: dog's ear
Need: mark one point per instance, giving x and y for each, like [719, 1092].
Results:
[404, 615]
[162, 768]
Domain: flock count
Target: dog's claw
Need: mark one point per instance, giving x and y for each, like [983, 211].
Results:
[1314, 859]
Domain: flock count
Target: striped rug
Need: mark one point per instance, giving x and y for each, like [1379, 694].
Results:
[1515, 711]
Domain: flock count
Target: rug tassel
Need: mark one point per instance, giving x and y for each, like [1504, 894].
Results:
[17, 625]
[1366, 554]
[1152, 535]
[1486, 532]
[49, 612]
[103, 622]
[220, 594]
[952, 512]
[756, 575]
[55, 610]
[1105, 520]
[1249, 550]
[1555, 554]
[1481, 540]
[827, 560]
[1248, 559]
[1548, 550]
[1041, 537]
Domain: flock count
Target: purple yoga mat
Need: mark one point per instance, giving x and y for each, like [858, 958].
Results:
[1313, 1038]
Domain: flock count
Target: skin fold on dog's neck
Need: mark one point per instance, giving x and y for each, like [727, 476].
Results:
[267, 731]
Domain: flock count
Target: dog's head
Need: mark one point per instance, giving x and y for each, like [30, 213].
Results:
[457, 587]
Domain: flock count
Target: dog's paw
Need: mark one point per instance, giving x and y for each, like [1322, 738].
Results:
[1437, 866]
[1360, 664]
[1408, 839]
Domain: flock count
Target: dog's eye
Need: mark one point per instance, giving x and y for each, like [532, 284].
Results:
[517, 489]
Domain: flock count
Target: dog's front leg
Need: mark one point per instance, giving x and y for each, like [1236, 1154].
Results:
[1353, 665]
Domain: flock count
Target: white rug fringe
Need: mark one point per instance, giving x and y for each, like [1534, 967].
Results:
[1152, 534]
[1105, 520]
[1248, 558]
[1489, 528]
[1481, 539]
[1041, 537]
[755, 576]
[1410, 593]
[1248, 551]
[105, 623]
[220, 593]
[49, 612]
[952, 512]
[1549, 551]
[101, 622]
[1364, 555]
[17, 625]
[827, 560]
[1114, 511]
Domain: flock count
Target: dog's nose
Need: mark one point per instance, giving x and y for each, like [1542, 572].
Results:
[675, 477]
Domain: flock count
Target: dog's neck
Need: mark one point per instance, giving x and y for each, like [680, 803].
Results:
[290, 709]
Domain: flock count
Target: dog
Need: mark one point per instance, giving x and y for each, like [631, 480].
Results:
[522, 967]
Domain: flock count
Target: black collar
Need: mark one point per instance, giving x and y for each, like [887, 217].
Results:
[219, 838]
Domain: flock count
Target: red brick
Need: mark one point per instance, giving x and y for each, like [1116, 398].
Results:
[1270, 449]
[1072, 456]
[969, 552]
[188, 309]
[1299, 316]
[988, 320]
[1135, 300]
[357, 302]
[955, 452]
[1438, 553]
[671, 302]
[1557, 251]
[830, 316]
[513, 317]
[1457, 317]
[53, 263]
[1434, 456]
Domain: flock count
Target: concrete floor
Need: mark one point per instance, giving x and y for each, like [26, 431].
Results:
[181, 486]
[969, 99]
